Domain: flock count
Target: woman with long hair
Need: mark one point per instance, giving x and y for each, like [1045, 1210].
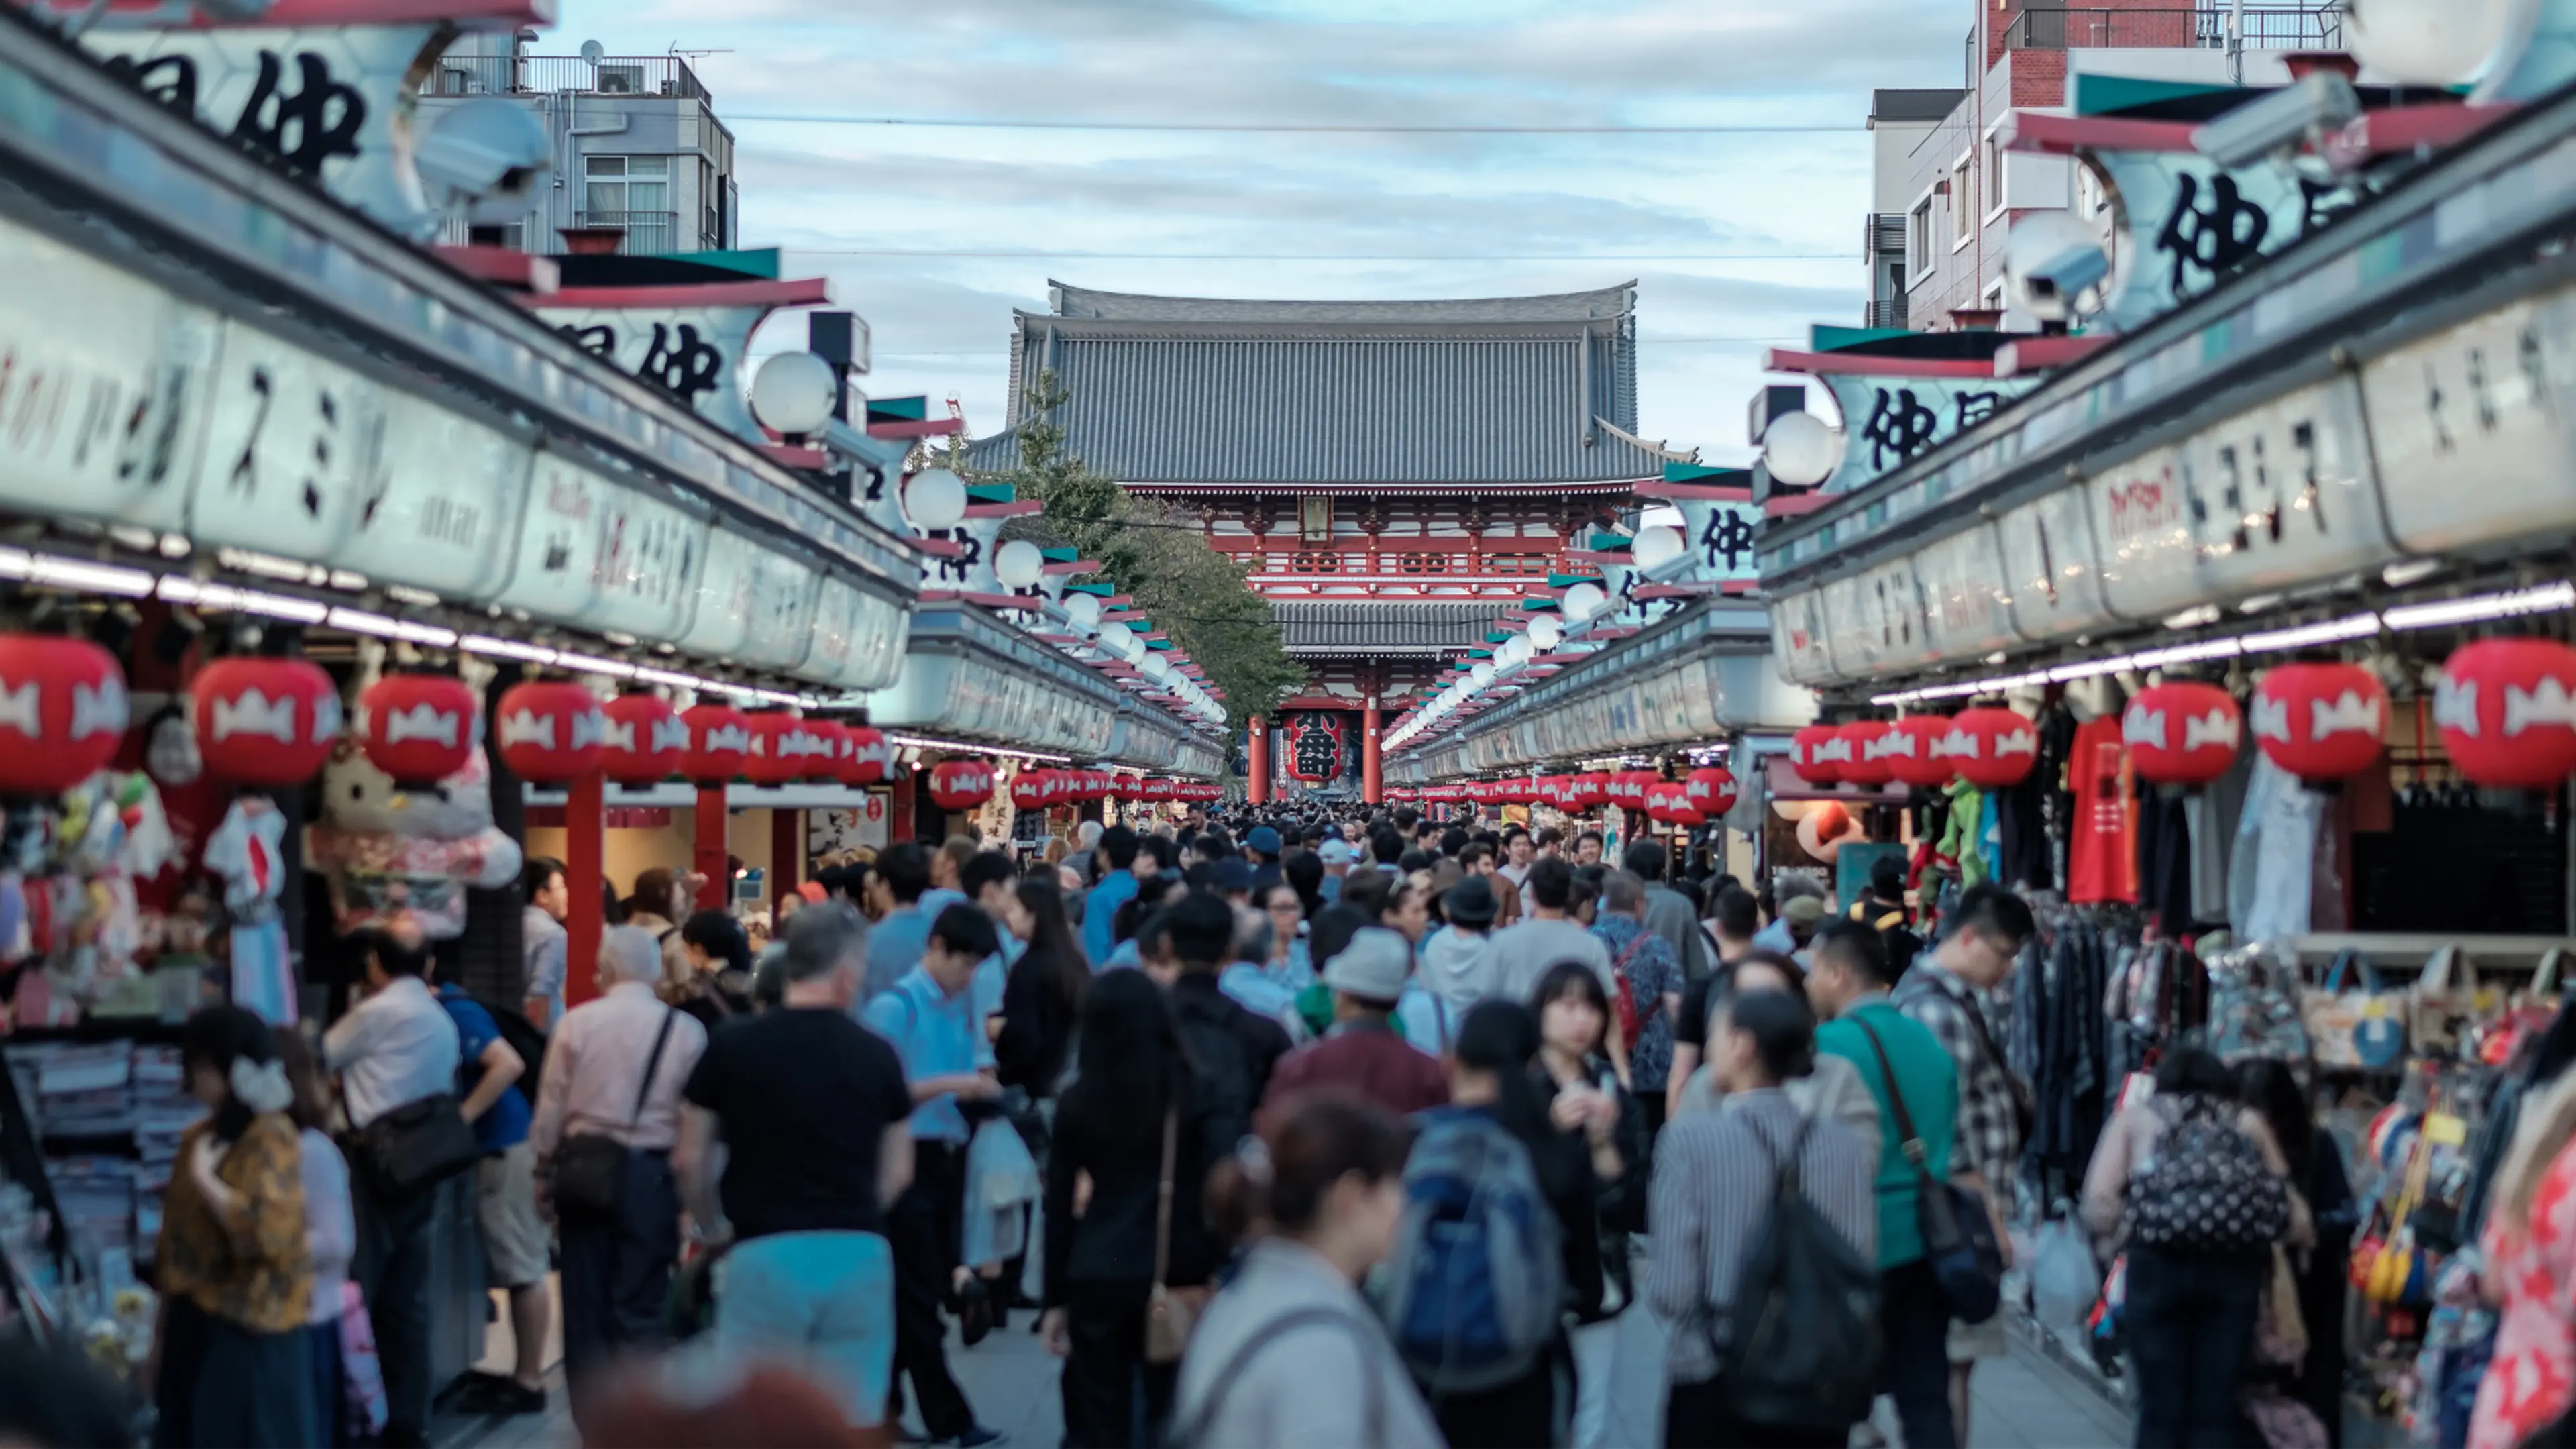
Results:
[1290, 1352]
[2529, 1393]
[332, 1235]
[2317, 1170]
[1133, 1125]
[1042, 998]
[235, 1362]
[717, 952]
[1587, 1106]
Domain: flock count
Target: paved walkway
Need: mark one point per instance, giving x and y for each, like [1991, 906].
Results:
[2023, 1402]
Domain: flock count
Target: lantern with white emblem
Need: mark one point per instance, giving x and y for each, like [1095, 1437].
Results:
[961, 784]
[264, 722]
[549, 732]
[63, 712]
[2507, 708]
[823, 742]
[2182, 734]
[1033, 789]
[866, 758]
[771, 761]
[1869, 764]
[1668, 803]
[1819, 754]
[1712, 790]
[645, 740]
[719, 743]
[418, 728]
[2321, 721]
[1991, 747]
[1584, 791]
[1911, 752]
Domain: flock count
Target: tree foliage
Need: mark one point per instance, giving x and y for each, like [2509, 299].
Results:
[1154, 553]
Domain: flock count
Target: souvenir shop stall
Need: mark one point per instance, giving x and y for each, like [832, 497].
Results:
[2240, 644]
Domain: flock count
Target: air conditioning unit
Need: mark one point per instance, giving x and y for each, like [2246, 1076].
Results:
[621, 80]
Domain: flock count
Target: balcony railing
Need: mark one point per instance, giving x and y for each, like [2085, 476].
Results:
[2267, 27]
[648, 233]
[1889, 314]
[615, 75]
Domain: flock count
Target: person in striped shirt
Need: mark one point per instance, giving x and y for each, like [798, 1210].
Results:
[1715, 1180]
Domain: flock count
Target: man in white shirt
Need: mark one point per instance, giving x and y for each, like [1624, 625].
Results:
[1520, 954]
[1518, 851]
[395, 1047]
[617, 1266]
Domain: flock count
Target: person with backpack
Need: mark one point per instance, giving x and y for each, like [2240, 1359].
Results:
[1234, 1049]
[1289, 1351]
[2195, 1181]
[1587, 1103]
[1764, 1250]
[1647, 989]
[1484, 1269]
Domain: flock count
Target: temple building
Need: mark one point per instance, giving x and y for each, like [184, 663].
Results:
[1391, 475]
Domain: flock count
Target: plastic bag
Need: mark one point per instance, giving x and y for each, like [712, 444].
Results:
[1001, 1179]
[2064, 1279]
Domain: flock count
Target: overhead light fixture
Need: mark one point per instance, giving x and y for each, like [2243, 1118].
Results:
[359, 621]
[2547, 599]
[506, 649]
[924, 742]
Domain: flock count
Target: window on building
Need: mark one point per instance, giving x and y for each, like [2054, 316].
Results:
[1918, 239]
[1963, 199]
[1994, 164]
[1317, 563]
[633, 192]
[1315, 519]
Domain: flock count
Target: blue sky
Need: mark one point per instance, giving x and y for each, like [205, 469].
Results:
[1738, 240]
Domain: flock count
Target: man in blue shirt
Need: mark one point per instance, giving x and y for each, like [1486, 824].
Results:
[929, 1019]
[1117, 887]
[991, 882]
[514, 1235]
[894, 946]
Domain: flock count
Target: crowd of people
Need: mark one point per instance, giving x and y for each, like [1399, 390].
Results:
[1412, 1110]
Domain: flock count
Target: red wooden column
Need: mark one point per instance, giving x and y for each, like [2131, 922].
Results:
[712, 849]
[585, 868]
[786, 855]
[1260, 732]
[1372, 780]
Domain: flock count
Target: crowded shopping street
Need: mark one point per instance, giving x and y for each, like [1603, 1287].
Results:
[655, 792]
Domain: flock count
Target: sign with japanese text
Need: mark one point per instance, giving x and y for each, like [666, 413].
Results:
[1890, 421]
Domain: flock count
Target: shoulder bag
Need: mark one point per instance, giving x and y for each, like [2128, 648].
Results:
[2355, 1024]
[416, 1146]
[2025, 1114]
[589, 1170]
[1958, 1233]
[1170, 1313]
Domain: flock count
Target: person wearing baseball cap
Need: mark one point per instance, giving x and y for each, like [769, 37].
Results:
[1261, 847]
[1362, 1052]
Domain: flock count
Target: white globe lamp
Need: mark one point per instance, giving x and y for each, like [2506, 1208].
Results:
[1482, 674]
[1546, 633]
[1584, 601]
[1514, 652]
[1157, 667]
[1658, 546]
[1800, 449]
[1114, 639]
[1019, 564]
[2424, 42]
[793, 393]
[935, 500]
[1083, 611]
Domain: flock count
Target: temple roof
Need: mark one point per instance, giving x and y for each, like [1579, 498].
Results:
[1460, 392]
[1384, 624]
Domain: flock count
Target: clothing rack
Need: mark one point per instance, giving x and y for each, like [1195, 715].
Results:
[2411, 950]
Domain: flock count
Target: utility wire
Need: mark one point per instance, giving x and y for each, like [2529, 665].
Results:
[1280, 128]
[1334, 256]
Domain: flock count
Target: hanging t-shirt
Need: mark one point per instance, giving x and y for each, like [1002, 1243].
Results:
[2101, 860]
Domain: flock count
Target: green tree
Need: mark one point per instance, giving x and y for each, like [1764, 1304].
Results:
[1155, 553]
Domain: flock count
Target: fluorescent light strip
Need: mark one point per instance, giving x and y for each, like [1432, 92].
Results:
[506, 649]
[2547, 599]
[924, 742]
[593, 664]
[178, 589]
[359, 621]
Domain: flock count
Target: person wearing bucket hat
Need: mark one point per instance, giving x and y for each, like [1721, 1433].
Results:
[1362, 1052]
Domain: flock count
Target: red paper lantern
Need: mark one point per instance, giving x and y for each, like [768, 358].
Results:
[1712, 791]
[1033, 789]
[823, 749]
[418, 728]
[264, 721]
[1628, 788]
[645, 740]
[1158, 790]
[719, 743]
[63, 709]
[1587, 790]
[961, 784]
[2182, 734]
[2507, 709]
[2321, 721]
[1912, 752]
[1869, 764]
[1818, 753]
[1991, 748]
[771, 761]
[550, 731]
[866, 758]
[1668, 803]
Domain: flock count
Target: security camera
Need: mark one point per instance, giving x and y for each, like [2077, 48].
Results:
[487, 156]
[2283, 121]
[2055, 266]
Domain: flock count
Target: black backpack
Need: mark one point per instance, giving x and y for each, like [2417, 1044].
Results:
[1222, 1067]
[2207, 1188]
[1803, 1354]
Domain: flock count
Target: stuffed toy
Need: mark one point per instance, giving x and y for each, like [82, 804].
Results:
[394, 856]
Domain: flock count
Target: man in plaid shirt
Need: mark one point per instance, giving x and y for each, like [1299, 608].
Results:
[1947, 991]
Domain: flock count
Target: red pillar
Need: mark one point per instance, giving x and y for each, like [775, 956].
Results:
[1372, 779]
[1260, 731]
[585, 865]
[712, 849]
[786, 855]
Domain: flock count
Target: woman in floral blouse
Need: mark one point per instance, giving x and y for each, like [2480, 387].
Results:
[2530, 1387]
[236, 1276]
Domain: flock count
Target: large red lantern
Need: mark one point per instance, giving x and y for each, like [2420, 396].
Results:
[1912, 752]
[1587, 790]
[961, 784]
[771, 761]
[1157, 790]
[550, 731]
[266, 722]
[2321, 722]
[1668, 803]
[63, 711]
[2507, 709]
[1991, 748]
[1712, 790]
[866, 758]
[719, 743]
[418, 728]
[1868, 764]
[645, 740]
[823, 739]
[1628, 788]
[1818, 754]
[1033, 789]
[2182, 734]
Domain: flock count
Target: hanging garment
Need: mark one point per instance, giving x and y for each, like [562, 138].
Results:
[2101, 865]
[263, 977]
[2164, 859]
[2272, 874]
